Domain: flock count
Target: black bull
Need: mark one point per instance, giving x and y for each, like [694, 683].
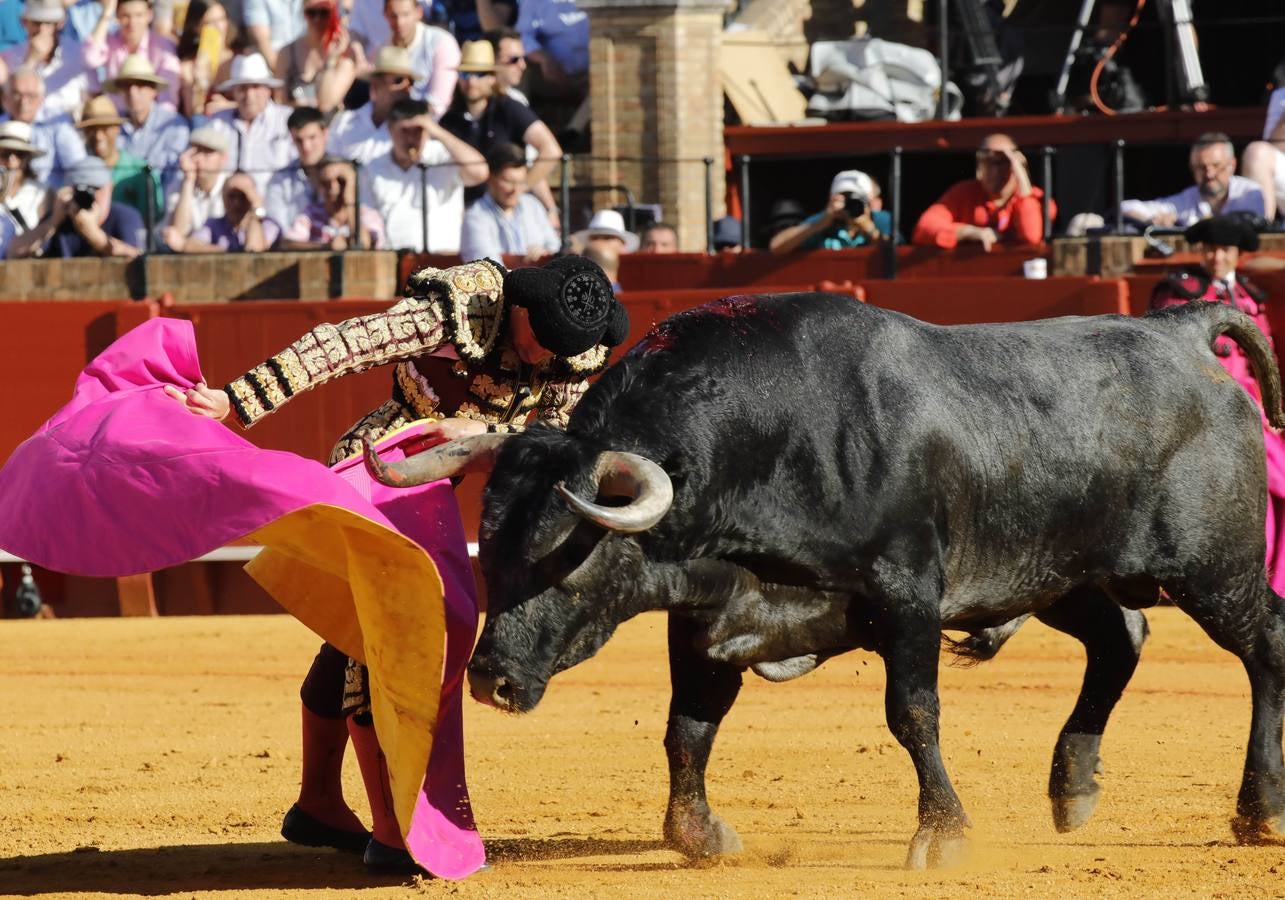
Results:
[846, 477]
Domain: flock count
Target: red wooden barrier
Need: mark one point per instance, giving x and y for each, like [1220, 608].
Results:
[967, 300]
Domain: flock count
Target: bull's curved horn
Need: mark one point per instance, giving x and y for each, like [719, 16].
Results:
[475, 453]
[619, 473]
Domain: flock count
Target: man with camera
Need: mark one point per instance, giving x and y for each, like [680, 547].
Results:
[83, 221]
[854, 217]
[997, 205]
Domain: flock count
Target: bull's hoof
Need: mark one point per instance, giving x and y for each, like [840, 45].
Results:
[1251, 831]
[1070, 812]
[703, 839]
[937, 847]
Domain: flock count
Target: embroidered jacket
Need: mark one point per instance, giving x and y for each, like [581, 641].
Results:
[443, 339]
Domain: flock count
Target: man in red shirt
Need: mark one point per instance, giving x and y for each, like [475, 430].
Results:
[998, 204]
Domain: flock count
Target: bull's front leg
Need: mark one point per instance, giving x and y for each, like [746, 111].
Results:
[910, 649]
[702, 693]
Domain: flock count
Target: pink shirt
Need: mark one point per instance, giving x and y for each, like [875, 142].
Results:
[158, 50]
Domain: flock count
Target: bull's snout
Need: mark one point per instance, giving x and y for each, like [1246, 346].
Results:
[493, 689]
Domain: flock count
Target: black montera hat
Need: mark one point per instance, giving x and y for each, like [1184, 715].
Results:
[571, 304]
[1223, 231]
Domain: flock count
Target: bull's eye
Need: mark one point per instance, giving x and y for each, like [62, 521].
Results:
[568, 555]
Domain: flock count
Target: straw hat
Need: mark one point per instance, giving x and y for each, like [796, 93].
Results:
[248, 70]
[477, 56]
[15, 135]
[136, 68]
[609, 223]
[394, 60]
[99, 111]
[209, 137]
[43, 11]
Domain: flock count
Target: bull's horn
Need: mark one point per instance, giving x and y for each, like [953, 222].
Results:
[475, 453]
[625, 474]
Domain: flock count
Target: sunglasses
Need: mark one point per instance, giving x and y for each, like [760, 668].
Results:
[512, 60]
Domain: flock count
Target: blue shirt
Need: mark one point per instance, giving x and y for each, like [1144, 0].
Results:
[559, 28]
[459, 17]
[289, 192]
[63, 147]
[122, 222]
[159, 142]
[489, 233]
[11, 30]
[837, 238]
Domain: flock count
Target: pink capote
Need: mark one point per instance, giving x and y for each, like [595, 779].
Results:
[124, 480]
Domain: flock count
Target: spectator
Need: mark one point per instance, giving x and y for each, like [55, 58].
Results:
[556, 34]
[607, 227]
[853, 217]
[727, 235]
[328, 223]
[100, 124]
[999, 204]
[85, 222]
[420, 182]
[243, 227]
[55, 135]
[293, 189]
[1217, 190]
[318, 67]
[784, 213]
[58, 59]
[197, 196]
[1264, 160]
[203, 66]
[510, 62]
[106, 52]
[607, 256]
[468, 19]
[485, 118]
[256, 130]
[658, 237]
[368, 26]
[25, 201]
[432, 52]
[271, 24]
[362, 134]
[151, 131]
[507, 220]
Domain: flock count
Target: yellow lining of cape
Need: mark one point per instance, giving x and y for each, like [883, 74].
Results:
[377, 596]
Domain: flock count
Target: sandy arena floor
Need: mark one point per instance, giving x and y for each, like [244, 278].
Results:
[157, 756]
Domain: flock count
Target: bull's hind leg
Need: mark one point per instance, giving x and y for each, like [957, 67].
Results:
[1112, 638]
[1247, 618]
[702, 691]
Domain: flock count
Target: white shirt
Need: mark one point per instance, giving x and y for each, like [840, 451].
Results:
[203, 207]
[435, 55]
[1243, 195]
[288, 194]
[258, 148]
[354, 135]
[396, 194]
[24, 206]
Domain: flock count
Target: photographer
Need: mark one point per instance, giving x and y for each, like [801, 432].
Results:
[854, 217]
[83, 221]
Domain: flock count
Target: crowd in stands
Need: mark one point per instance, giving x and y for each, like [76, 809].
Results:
[248, 125]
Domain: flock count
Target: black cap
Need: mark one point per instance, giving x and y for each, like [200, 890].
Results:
[571, 305]
[1223, 231]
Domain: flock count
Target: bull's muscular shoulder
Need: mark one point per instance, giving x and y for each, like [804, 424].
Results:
[1180, 287]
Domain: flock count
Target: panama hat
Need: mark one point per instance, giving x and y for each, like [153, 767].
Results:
[247, 70]
[394, 60]
[99, 111]
[43, 11]
[209, 137]
[15, 135]
[136, 68]
[609, 223]
[477, 56]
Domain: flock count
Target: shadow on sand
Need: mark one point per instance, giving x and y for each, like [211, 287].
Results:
[275, 865]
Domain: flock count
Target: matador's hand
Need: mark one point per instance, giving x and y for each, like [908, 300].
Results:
[202, 401]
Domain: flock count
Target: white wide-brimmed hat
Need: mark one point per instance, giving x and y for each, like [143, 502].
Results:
[135, 68]
[43, 11]
[609, 223]
[15, 135]
[251, 69]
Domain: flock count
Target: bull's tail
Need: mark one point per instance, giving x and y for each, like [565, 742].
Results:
[1220, 319]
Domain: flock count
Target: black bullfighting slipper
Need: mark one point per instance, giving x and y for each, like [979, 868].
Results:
[298, 827]
[381, 859]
